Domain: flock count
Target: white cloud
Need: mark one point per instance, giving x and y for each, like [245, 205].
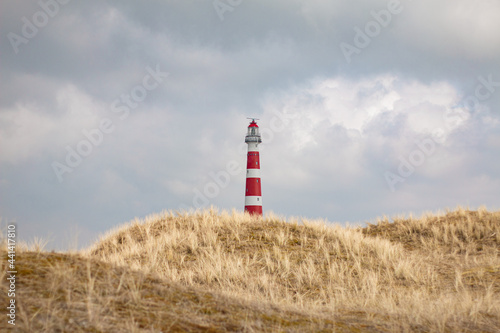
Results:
[23, 133]
[340, 129]
[28, 130]
[354, 105]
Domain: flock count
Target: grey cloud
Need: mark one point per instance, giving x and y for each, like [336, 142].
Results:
[264, 57]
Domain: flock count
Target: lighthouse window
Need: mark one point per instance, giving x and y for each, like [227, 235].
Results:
[257, 199]
[257, 180]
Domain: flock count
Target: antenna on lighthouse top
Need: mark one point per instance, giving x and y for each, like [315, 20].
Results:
[253, 123]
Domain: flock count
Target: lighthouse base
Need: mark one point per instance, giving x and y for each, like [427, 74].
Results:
[254, 210]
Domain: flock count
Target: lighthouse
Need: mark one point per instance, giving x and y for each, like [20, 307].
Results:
[253, 195]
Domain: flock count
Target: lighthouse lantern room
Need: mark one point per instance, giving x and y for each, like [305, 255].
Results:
[253, 194]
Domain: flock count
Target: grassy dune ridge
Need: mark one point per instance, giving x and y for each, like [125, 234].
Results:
[223, 271]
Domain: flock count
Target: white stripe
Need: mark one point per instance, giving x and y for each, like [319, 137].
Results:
[253, 200]
[252, 146]
[253, 173]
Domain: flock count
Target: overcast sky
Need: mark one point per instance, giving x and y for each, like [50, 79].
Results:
[111, 110]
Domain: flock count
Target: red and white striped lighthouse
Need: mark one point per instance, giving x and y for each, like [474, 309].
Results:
[253, 195]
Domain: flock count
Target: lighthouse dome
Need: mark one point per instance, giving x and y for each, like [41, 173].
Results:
[253, 134]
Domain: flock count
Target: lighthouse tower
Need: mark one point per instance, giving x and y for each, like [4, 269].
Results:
[253, 195]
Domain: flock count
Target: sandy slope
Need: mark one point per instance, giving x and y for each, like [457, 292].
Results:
[211, 271]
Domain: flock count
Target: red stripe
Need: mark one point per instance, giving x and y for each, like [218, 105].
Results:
[253, 187]
[254, 210]
[253, 160]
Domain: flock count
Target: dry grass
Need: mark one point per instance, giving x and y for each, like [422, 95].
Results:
[233, 272]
